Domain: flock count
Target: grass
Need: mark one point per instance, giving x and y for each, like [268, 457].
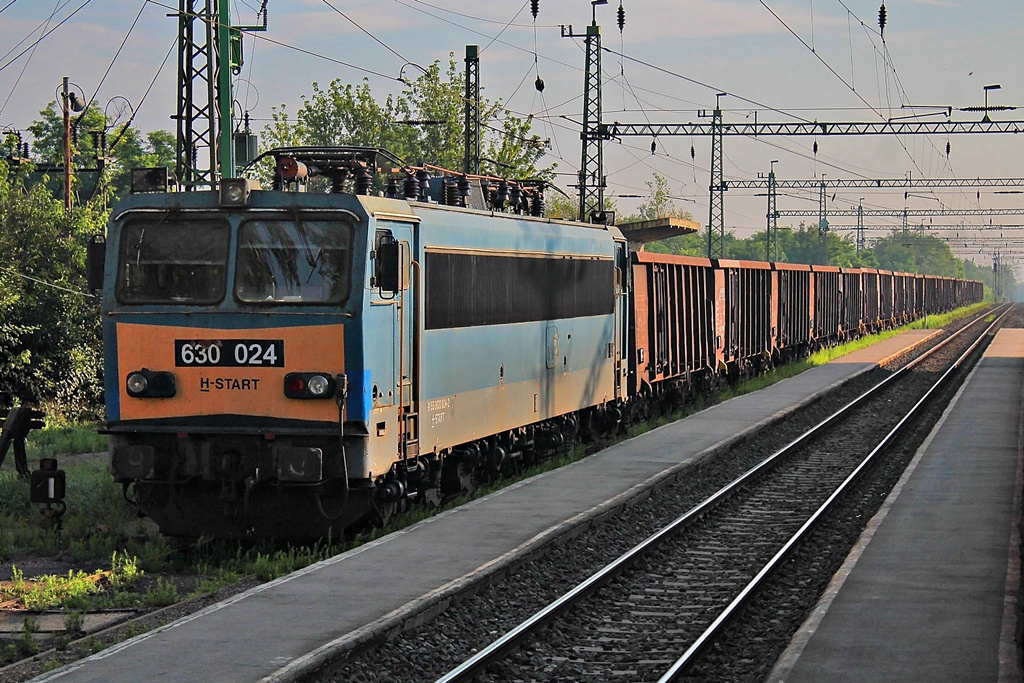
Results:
[65, 440]
[50, 590]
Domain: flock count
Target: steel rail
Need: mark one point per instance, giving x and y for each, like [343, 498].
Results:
[705, 638]
[508, 642]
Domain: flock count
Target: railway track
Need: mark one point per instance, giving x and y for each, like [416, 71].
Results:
[651, 613]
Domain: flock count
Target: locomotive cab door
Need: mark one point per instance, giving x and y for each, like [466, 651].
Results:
[621, 333]
[397, 281]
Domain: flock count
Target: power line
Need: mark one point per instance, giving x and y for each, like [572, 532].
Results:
[694, 81]
[375, 38]
[128, 123]
[28, 61]
[111, 65]
[47, 284]
[44, 36]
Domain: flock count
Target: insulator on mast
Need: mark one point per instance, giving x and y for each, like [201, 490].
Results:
[882, 16]
[621, 15]
[534, 8]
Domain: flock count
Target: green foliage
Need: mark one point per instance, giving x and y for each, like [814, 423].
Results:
[67, 439]
[916, 252]
[50, 590]
[49, 329]
[161, 594]
[346, 114]
[104, 178]
[124, 570]
[73, 622]
[27, 643]
[267, 567]
[661, 204]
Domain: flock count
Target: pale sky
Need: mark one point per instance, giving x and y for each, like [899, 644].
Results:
[937, 53]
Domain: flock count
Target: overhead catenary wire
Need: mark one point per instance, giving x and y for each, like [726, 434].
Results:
[44, 36]
[288, 46]
[128, 123]
[117, 53]
[41, 26]
[361, 28]
[828, 66]
[28, 61]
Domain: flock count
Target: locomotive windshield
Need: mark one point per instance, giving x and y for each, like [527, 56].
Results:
[169, 262]
[294, 261]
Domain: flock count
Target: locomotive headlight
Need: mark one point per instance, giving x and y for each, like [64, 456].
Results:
[308, 385]
[235, 191]
[136, 384]
[318, 385]
[150, 384]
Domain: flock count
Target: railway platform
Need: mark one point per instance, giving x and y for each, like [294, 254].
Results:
[931, 591]
[280, 630]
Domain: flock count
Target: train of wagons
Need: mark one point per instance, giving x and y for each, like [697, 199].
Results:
[291, 362]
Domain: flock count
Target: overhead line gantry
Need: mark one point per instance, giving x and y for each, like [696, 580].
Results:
[717, 129]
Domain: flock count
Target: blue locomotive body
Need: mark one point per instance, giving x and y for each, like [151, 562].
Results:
[291, 363]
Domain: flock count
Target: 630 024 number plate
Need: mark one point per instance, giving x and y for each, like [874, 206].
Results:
[229, 353]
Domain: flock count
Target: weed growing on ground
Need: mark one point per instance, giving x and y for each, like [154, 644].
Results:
[27, 644]
[161, 594]
[73, 623]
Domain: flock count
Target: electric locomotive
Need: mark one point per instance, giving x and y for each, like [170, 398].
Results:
[287, 363]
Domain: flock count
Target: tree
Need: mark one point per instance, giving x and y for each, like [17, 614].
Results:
[49, 328]
[103, 173]
[424, 123]
[915, 252]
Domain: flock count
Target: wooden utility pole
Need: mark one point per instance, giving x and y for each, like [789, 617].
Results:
[66, 104]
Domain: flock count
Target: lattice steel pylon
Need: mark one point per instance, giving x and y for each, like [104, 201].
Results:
[772, 236]
[198, 61]
[861, 242]
[823, 222]
[716, 205]
[471, 157]
[591, 182]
